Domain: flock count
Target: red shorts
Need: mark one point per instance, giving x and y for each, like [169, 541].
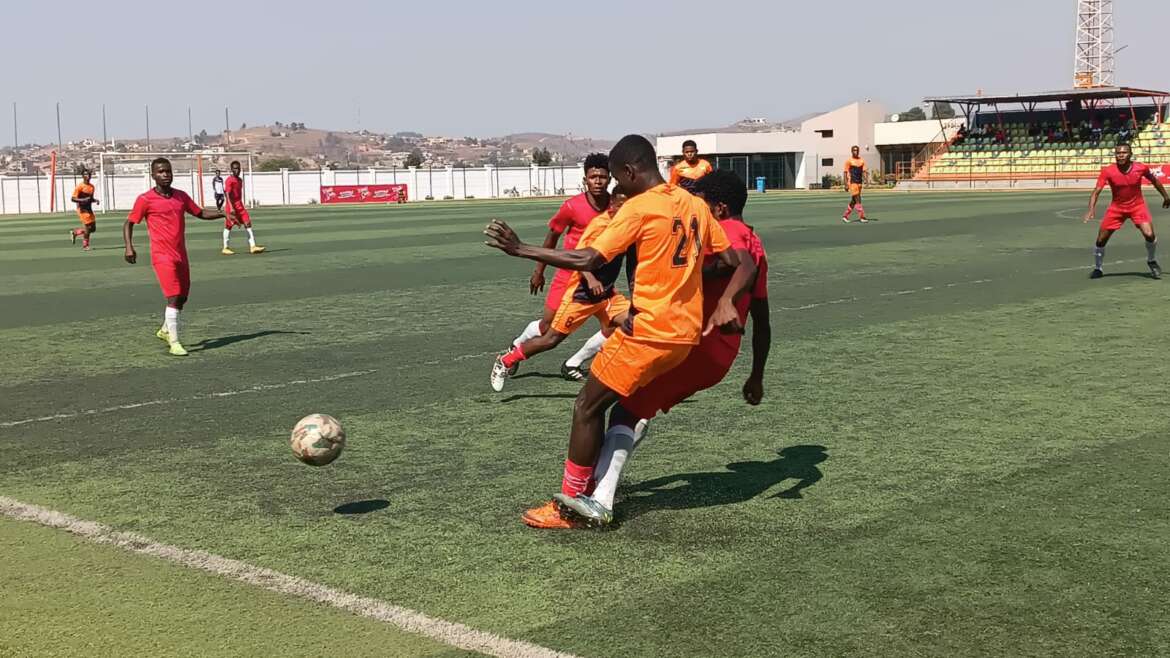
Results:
[174, 277]
[1115, 217]
[556, 290]
[240, 213]
[700, 371]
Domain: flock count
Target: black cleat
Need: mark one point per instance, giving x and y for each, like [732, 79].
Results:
[1097, 274]
[1155, 269]
[572, 373]
[514, 369]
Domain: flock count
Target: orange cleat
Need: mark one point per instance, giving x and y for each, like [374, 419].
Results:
[548, 516]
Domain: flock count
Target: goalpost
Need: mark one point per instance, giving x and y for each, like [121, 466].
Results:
[121, 177]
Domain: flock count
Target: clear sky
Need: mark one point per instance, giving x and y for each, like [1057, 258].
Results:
[601, 68]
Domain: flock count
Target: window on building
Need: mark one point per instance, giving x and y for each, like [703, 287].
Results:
[826, 162]
[826, 134]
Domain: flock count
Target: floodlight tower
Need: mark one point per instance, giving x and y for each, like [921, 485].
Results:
[1094, 63]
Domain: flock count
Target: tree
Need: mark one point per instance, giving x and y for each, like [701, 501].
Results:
[913, 114]
[276, 164]
[541, 157]
[415, 159]
[942, 111]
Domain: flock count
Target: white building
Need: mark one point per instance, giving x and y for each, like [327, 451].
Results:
[794, 155]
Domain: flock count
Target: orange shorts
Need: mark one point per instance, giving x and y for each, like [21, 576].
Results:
[854, 189]
[87, 217]
[625, 365]
[572, 313]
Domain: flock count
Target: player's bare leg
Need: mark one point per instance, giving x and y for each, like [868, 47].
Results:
[1103, 235]
[1147, 231]
[506, 364]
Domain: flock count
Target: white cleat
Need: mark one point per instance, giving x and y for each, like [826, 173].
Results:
[499, 374]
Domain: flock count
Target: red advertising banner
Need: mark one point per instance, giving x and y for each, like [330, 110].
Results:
[384, 193]
[1162, 173]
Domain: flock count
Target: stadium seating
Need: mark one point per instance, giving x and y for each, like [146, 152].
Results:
[1022, 156]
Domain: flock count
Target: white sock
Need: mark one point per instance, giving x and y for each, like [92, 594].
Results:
[251, 236]
[227, 236]
[1151, 249]
[1098, 257]
[615, 450]
[171, 322]
[530, 332]
[587, 351]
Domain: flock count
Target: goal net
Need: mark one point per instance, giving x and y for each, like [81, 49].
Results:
[121, 177]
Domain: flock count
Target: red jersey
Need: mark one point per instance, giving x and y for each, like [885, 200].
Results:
[721, 347]
[1126, 186]
[233, 188]
[165, 222]
[571, 220]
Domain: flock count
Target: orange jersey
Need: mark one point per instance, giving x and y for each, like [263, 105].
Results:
[855, 171]
[683, 170]
[84, 209]
[672, 229]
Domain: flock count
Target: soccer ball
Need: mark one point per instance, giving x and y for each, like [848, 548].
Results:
[317, 439]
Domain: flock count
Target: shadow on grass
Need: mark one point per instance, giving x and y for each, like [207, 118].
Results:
[742, 481]
[224, 341]
[361, 507]
[537, 375]
[539, 396]
[1144, 275]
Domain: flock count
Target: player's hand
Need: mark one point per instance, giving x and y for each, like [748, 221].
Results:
[725, 318]
[1090, 216]
[536, 283]
[595, 288]
[95, 202]
[1166, 203]
[131, 256]
[753, 390]
[502, 237]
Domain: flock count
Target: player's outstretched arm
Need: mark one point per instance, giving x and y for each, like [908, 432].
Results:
[208, 215]
[501, 236]
[128, 239]
[1092, 213]
[536, 283]
[761, 314]
[1158, 186]
[725, 316]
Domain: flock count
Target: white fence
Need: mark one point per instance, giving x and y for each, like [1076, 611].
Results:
[31, 194]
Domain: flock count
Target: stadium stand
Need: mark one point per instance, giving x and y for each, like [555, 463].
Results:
[1073, 142]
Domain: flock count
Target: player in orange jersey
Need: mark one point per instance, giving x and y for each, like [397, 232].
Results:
[691, 168]
[672, 230]
[587, 295]
[83, 197]
[854, 178]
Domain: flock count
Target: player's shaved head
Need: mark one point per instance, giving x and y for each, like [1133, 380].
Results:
[634, 164]
[633, 150]
[159, 162]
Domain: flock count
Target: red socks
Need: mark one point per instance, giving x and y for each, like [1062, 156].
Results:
[514, 356]
[860, 210]
[577, 479]
[848, 211]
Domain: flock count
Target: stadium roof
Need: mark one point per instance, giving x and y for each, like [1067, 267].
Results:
[1097, 93]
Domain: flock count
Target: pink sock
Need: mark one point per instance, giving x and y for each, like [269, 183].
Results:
[860, 210]
[576, 478]
[848, 211]
[514, 356]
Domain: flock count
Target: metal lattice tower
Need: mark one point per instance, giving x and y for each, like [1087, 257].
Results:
[1094, 64]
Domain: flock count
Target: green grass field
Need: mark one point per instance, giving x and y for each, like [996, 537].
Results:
[962, 449]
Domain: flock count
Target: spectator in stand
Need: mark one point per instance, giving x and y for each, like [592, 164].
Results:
[1098, 128]
[1000, 135]
[961, 134]
[1124, 134]
[1086, 131]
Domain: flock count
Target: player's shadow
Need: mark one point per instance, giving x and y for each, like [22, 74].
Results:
[538, 375]
[742, 481]
[1143, 275]
[539, 396]
[361, 507]
[224, 341]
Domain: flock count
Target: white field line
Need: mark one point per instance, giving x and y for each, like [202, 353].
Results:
[259, 388]
[976, 282]
[446, 632]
